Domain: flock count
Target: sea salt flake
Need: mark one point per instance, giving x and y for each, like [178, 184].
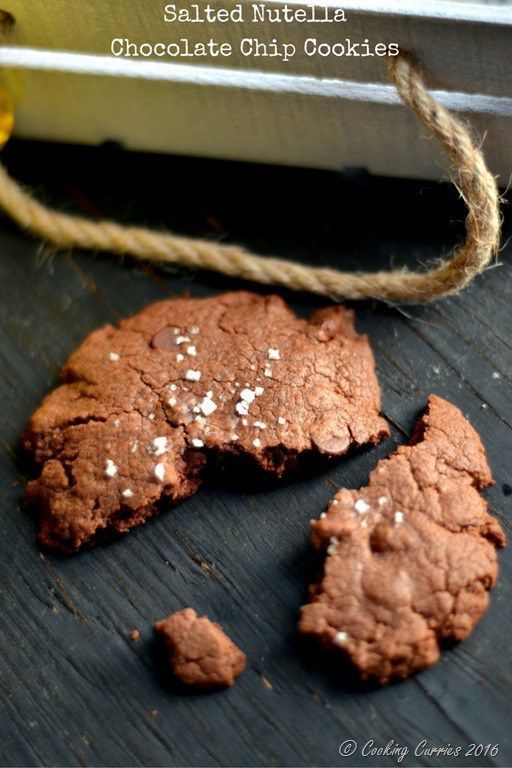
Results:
[127, 493]
[180, 358]
[114, 357]
[159, 471]
[383, 500]
[496, 375]
[208, 406]
[258, 391]
[197, 443]
[398, 517]
[242, 408]
[256, 442]
[281, 420]
[273, 354]
[260, 425]
[234, 438]
[333, 543]
[158, 447]
[361, 506]
[192, 351]
[110, 468]
[340, 638]
[192, 375]
[248, 395]
[173, 387]
[182, 340]
[244, 422]
[172, 401]
[268, 373]
[194, 330]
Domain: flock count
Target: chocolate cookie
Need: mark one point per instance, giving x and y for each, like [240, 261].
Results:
[411, 556]
[143, 405]
[200, 654]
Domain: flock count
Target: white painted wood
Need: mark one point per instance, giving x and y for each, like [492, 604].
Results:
[325, 113]
[284, 126]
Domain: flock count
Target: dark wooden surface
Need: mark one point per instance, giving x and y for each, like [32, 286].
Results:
[74, 689]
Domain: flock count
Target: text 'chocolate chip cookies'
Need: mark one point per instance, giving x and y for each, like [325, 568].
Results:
[144, 405]
[411, 557]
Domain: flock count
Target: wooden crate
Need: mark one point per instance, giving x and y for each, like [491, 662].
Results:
[324, 112]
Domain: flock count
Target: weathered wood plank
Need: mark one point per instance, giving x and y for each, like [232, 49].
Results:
[75, 690]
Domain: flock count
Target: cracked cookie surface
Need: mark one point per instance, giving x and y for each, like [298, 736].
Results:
[411, 557]
[145, 404]
[199, 652]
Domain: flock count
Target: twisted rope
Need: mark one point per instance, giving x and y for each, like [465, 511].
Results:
[474, 181]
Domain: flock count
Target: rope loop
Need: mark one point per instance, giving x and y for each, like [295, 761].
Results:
[476, 184]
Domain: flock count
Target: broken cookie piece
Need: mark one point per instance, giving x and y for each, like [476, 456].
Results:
[145, 404]
[411, 557]
[200, 654]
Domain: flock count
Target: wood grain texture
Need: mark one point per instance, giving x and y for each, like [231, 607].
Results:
[75, 690]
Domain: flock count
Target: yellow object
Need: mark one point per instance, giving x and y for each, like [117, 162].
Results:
[6, 115]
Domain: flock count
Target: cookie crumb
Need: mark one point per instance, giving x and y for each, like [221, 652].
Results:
[134, 635]
[199, 653]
